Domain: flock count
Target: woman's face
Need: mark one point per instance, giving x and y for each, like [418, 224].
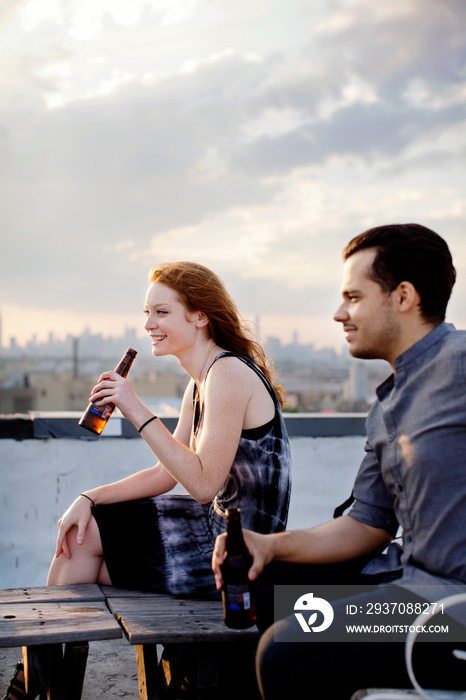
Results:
[171, 327]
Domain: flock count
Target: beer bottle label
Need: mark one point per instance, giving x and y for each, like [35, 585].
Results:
[238, 596]
[99, 412]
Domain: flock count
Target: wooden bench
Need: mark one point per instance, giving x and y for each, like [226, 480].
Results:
[43, 619]
[196, 643]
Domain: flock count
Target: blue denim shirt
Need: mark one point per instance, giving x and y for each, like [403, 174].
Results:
[414, 471]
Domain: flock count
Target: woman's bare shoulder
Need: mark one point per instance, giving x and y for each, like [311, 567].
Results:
[233, 374]
[230, 365]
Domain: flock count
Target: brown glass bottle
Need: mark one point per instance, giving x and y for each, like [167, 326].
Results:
[95, 417]
[239, 609]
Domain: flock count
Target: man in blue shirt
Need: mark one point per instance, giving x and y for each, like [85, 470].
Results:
[397, 281]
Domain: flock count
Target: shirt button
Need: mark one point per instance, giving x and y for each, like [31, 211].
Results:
[399, 488]
[409, 538]
[391, 438]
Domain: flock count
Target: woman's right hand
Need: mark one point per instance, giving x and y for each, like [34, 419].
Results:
[78, 515]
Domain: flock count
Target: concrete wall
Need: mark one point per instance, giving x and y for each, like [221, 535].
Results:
[40, 478]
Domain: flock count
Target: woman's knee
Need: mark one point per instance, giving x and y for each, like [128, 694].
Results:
[91, 545]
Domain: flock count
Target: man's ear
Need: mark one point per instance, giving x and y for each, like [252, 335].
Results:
[407, 297]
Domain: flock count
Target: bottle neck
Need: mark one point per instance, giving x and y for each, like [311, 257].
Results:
[125, 363]
[124, 366]
[234, 523]
[235, 542]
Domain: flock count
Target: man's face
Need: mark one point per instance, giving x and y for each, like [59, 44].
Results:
[368, 314]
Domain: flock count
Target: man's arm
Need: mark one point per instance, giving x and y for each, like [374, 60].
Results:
[334, 541]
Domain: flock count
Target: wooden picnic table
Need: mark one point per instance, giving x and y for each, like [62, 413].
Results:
[174, 638]
[194, 638]
[43, 620]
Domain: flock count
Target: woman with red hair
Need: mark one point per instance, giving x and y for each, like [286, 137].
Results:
[229, 449]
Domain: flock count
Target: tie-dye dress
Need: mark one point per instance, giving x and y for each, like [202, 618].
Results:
[165, 543]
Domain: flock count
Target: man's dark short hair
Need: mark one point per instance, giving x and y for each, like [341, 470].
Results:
[410, 253]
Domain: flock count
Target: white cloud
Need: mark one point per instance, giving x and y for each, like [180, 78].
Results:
[353, 91]
[36, 12]
[296, 238]
[254, 137]
[272, 123]
[421, 95]
[335, 23]
[83, 20]
[174, 11]
[194, 64]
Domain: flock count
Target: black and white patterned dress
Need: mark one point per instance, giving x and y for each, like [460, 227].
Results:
[165, 543]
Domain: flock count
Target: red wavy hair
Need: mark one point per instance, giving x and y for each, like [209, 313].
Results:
[200, 289]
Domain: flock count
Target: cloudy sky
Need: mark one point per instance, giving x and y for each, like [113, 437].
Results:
[256, 137]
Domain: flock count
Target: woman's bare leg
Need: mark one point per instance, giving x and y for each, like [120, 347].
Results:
[85, 563]
[104, 578]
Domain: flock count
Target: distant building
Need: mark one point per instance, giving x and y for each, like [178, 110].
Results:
[16, 395]
[358, 384]
[47, 392]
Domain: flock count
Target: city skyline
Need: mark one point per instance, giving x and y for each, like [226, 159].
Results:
[255, 138]
[50, 338]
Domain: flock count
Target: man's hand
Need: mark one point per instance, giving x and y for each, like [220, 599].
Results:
[337, 540]
[260, 547]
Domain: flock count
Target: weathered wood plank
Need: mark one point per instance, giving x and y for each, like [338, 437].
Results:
[163, 619]
[24, 624]
[174, 629]
[193, 635]
[37, 594]
[27, 635]
[163, 604]
[112, 592]
[52, 611]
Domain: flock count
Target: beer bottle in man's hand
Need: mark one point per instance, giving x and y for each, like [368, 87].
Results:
[239, 609]
[95, 417]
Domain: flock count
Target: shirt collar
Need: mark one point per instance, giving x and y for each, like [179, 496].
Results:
[419, 348]
[412, 354]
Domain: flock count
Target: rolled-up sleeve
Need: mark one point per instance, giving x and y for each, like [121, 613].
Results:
[373, 501]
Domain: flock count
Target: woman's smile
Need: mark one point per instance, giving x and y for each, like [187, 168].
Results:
[157, 339]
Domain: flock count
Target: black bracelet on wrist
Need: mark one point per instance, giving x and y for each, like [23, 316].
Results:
[147, 423]
[88, 498]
